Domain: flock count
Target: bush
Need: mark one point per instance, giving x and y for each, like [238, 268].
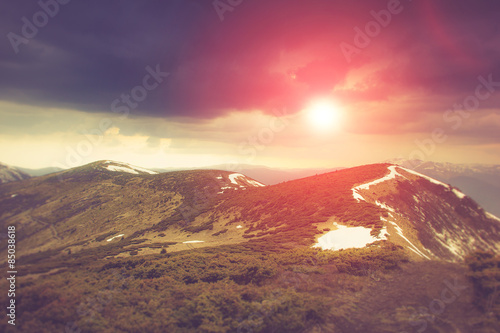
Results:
[484, 271]
[285, 310]
[223, 231]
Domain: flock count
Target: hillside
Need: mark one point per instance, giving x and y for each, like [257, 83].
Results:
[86, 206]
[480, 181]
[266, 175]
[41, 171]
[99, 204]
[117, 248]
[11, 174]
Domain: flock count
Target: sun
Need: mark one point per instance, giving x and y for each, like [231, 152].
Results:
[323, 114]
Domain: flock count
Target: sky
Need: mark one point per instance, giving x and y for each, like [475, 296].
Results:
[281, 83]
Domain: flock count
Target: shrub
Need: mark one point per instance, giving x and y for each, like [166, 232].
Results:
[484, 271]
[220, 232]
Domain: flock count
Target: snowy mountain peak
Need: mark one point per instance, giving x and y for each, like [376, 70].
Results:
[244, 181]
[125, 167]
[236, 181]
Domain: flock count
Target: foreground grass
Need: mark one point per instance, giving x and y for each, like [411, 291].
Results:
[236, 289]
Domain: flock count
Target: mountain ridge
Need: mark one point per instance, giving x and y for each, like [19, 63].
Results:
[480, 181]
[100, 248]
[84, 208]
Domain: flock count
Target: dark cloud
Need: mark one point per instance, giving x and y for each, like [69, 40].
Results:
[265, 54]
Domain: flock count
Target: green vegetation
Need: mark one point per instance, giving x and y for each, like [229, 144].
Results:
[484, 272]
[223, 231]
[272, 281]
[268, 211]
[223, 289]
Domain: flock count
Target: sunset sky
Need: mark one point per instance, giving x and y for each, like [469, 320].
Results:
[282, 83]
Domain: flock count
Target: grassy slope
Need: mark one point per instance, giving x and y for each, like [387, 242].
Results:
[288, 212]
[234, 288]
[91, 205]
[264, 285]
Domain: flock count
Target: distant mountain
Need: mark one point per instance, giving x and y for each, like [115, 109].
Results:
[100, 203]
[40, 172]
[479, 181]
[11, 174]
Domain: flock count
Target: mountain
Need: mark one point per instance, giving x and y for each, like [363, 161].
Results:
[103, 202]
[78, 208]
[11, 174]
[41, 171]
[273, 176]
[479, 181]
[448, 223]
[267, 175]
[111, 247]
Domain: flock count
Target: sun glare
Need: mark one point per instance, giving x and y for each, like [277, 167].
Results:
[323, 114]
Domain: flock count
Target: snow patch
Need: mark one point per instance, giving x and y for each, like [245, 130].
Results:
[223, 188]
[384, 206]
[400, 233]
[357, 196]
[491, 216]
[448, 241]
[121, 169]
[255, 183]
[392, 174]
[191, 242]
[459, 194]
[432, 180]
[110, 239]
[13, 195]
[239, 227]
[124, 167]
[233, 176]
[347, 237]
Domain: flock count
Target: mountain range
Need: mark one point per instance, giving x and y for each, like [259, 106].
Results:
[114, 247]
[479, 181]
[105, 201]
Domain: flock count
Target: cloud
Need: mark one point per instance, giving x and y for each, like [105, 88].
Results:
[112, 131]
[264, 56]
